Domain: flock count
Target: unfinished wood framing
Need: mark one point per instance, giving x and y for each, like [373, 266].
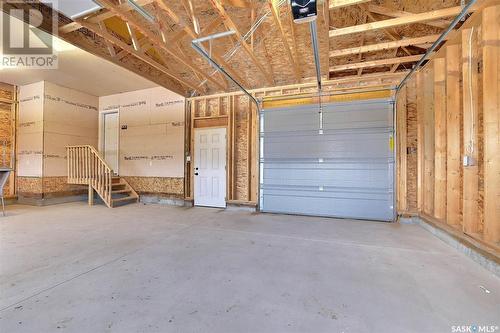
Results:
[276, 17]
[395, 22]
[470, 130]
[402, 171]
[453, 126]
[420, 135]
[400, 13]
[375, 63]
[429, 145]
[458, 120]
[384, 46]
[440, 138]
[491, 122]
[335, 4]
[238, 114]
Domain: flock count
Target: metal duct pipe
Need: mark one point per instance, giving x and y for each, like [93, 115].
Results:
[436, 43]
[315, 44]
[196, 44]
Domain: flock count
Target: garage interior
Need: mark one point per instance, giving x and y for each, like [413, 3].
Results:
[250, 165]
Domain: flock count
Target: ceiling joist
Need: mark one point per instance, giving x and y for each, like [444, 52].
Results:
[140, 55]
[399, 13]
[395, 22]
[385, 46]
[376, 63]
[189, 6]
[335, 4]
[110, 46]
[391, 33]
[73, 26]
[284, 39]
[228, 22]
[127, 17]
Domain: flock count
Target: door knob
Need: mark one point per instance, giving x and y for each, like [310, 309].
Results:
[196, 173]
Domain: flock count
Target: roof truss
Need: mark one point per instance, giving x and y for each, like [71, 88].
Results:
[395, 22]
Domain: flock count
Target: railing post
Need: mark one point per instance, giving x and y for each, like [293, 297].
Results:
[79, 165]
[91, 195]
[86, 166]
[109, 185]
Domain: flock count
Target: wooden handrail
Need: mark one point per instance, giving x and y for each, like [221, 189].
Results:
[87, 167]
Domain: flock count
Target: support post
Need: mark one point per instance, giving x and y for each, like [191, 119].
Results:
[91, 195]
[453, 123]
[470, 123]
[440, 139]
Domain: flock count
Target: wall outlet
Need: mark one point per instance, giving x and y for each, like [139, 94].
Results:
[469, 161]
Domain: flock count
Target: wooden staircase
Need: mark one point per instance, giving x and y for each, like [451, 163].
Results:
[87, 167]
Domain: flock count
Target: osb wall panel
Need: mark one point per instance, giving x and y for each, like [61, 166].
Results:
[411, 142]
[157, 185]
[241, 148]
[29, 186]
[58, 186]
[35, 187]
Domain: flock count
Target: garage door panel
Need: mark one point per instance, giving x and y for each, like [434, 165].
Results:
[358, 115]
[344, 169]
[344, 145]
[299, 120]
[335, 203]
[335, 175]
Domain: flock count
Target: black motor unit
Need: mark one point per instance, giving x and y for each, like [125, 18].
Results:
[304, 10]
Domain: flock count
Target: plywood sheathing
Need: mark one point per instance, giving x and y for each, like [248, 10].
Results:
[355, 15]
[267, 43]
[241, 148]
[157, 185]
[59, 187]
[30, 186]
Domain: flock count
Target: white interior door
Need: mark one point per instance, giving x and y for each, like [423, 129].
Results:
[111, 135]
[210, 167]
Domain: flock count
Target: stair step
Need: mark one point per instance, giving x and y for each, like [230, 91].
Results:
[121, 191]
[125, 199]
[118, 184]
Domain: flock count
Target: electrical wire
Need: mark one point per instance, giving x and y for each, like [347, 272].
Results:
[470, 146]
[229, 54]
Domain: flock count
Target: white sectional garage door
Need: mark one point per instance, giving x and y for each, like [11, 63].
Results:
[345, 170]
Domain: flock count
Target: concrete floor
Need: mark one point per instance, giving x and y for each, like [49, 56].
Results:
[137, 268]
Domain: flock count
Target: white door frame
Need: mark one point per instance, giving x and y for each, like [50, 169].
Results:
[102, 134]
[194, 165]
